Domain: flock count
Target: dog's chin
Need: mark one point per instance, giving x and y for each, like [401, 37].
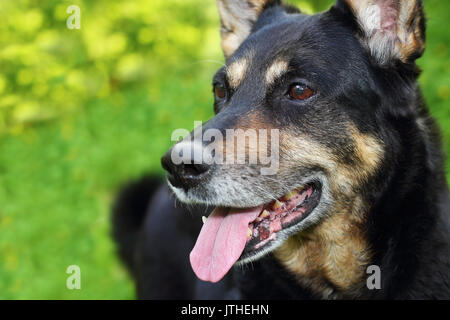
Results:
[278, 219]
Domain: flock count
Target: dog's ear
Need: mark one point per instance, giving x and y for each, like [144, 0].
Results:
[391, 30]
[237, 18]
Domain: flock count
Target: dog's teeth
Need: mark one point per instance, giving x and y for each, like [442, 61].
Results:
[249, 233]
[277, 204]
[204, 219]
[290, 195]
[302, 188]
[264, 214]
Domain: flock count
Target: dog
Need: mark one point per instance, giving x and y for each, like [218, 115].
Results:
[358, 206]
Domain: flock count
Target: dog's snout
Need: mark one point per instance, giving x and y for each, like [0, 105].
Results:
[186, 173]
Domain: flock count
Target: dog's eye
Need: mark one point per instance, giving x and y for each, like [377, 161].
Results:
[220, 91]
[300, 92]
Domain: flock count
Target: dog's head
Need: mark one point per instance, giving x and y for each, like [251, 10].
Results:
[311, 100]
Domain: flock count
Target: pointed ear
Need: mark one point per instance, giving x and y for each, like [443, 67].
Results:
[390, 29]
[237, 18]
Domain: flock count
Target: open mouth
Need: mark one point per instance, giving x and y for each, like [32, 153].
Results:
[231, 235]
[280, 215]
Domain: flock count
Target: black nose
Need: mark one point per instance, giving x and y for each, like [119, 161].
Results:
[186, 174]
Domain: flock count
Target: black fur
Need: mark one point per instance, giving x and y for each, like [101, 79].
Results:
[408, 226]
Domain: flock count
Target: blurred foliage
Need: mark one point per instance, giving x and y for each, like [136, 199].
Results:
[82, 111]
[48, 70]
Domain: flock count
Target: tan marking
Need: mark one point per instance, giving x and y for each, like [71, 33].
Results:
[335, 251]
[302, 152]
[236, 72]
[368, 149]
[276, 70]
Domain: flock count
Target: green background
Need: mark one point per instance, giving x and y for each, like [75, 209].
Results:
[82, 111]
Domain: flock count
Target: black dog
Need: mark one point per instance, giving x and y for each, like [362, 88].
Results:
[359, 188]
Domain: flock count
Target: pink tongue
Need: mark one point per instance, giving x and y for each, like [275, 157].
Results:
[221, 242]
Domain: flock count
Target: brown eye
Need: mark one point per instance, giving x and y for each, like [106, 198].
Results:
[219, 91]
[300, 92]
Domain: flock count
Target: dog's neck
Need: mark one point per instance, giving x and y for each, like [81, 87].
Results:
[331, 258]
[387, 226]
